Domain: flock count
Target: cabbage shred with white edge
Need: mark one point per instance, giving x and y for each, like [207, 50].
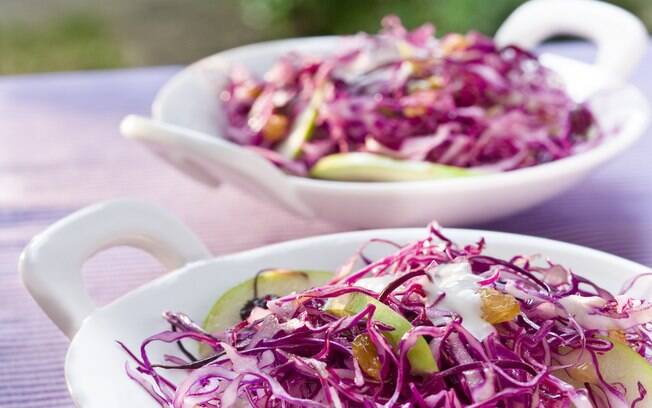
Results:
[460, 100]
[544, 339]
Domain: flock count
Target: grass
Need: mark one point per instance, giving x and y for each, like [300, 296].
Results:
[70, 43]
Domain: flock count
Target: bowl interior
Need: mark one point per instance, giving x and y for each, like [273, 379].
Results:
[94, 360]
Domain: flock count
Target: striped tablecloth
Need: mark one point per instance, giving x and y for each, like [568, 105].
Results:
[60, 150]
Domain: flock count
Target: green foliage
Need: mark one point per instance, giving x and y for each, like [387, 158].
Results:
[88, 34]
[313, 17]
[71, 43]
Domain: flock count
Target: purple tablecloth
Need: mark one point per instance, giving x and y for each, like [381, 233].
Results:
[60, 150]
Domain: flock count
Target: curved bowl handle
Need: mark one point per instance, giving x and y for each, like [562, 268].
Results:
[51, 263]
[620, 37]
[208, 158]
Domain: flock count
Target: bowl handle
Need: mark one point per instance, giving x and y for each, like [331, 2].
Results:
[620, 37]
[51, 263]
[208, 158]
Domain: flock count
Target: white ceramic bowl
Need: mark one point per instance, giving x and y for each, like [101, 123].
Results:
[95, 374]
[186, 130]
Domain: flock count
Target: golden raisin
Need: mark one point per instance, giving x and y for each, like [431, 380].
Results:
[276, 127]
[435, 81]
[498, 307]
[618, 335]
[583, 372]
[414, 111]
[415, 67]
[248, 92]
[365, 352]
[453, 43]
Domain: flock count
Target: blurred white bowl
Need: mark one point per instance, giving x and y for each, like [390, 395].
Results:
[186, 130]
[95, 365]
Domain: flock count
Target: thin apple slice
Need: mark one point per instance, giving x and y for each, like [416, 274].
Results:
[620, 365]
[225, 312]
[363, 166]
[302, 129]
[419, 356]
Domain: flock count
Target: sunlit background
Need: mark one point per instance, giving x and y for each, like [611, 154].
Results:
[56, 35]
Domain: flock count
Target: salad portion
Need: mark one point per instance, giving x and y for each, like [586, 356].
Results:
[434, 324]
[405, 105]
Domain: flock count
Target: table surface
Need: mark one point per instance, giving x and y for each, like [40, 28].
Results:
[60, 150]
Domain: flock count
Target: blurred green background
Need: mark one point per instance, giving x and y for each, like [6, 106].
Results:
[56, 35]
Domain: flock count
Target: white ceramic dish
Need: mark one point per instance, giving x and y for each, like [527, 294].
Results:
[187, 122]
[51, 264]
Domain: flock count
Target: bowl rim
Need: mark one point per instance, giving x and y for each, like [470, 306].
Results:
[82, 396]
[602, 152]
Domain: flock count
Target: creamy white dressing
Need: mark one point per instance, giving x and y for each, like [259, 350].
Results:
[460, 286]
[377, 283]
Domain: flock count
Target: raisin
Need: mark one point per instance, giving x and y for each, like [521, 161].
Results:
[366, 354]
[498, 307]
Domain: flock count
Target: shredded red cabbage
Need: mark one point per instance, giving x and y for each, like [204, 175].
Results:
[548, 323]
[460, 100]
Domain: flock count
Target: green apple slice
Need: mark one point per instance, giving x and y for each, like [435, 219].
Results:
[225, 312]
[419, 356]
[621, 365]
[302, 129]
[361, 166]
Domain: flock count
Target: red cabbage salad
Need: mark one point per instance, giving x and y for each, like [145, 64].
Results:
[433, 324]
[449, 107]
